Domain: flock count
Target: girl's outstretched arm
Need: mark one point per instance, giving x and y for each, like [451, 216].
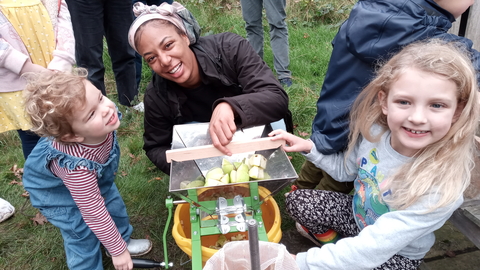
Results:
[293, 143]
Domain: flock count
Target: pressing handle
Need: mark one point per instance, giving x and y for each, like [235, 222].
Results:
[206, 151]
[146, 263]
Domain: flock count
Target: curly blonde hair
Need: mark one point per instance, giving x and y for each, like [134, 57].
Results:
[446, 164]
[51, 98]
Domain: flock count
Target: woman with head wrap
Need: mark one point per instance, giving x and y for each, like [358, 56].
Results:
[218, 79]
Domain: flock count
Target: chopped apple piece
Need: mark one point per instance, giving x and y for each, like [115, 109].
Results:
[212, 182]
[215, 173]
[256, 173]
[258, 160]
[225, 179]
[196, 183]
[242, 176]
[184, 184]
[233, 176]
[227, 166]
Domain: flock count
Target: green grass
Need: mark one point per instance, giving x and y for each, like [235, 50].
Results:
[24, 245]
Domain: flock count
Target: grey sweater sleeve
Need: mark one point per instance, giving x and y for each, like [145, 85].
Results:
[335, 164]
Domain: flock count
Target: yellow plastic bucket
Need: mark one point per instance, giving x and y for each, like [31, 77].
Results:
[182, 228]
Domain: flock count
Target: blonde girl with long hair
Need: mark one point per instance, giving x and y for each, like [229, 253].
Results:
[410, 155]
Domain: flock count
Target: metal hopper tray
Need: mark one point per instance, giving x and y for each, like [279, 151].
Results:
[279, 167]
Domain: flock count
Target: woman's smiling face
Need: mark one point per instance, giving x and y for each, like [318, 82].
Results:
[168, 54]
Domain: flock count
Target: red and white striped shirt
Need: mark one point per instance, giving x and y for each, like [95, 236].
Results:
[83, 186]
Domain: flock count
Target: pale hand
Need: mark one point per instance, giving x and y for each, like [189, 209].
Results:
[31, 67]
[123, 261]
[222, 127]
[292, 142]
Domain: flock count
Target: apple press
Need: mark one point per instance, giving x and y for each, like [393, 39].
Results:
[225, 209]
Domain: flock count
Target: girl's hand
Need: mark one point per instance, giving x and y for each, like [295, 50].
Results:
[293, 143]
[123, 261]
[31, 67]
[222, 127]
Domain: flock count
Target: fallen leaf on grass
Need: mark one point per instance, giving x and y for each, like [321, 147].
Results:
[134, 158]
[124, 173]
[39, 219]
[17, 171]
[305, 35]
[450, 253]
[14, 182]
[25, 194]
[155, 179]
[303, 134]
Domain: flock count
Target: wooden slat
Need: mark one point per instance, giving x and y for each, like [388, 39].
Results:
[455, 27]
[206, 151]
[466, 226]
[472, 31]
[473, 25]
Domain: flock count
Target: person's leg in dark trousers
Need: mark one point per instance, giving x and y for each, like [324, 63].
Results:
[91, 21]
[252, 15]
[29, 140]
[311, 177]
[87, 23]
[118, 18]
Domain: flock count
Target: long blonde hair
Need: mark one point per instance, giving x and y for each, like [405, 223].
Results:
[446, 164]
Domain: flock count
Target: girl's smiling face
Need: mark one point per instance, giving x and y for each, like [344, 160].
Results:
[92, 122]
[168, 54]
[420, 109]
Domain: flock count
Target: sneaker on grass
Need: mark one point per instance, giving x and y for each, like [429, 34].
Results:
[286, 82]
[139, 107]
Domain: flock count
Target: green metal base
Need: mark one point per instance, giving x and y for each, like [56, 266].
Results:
[209, 227]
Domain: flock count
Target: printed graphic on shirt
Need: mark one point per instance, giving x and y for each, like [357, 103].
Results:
[367, 204]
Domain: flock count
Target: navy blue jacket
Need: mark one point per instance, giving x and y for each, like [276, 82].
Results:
[374, 31]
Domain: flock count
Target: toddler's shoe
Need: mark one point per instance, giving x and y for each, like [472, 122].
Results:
[330, 236]
[6, 210]
[137, 247]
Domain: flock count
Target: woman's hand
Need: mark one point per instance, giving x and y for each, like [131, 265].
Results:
[123, 261]
[222, 127]
[292, 142]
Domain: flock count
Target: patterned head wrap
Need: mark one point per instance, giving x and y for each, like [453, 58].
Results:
[175, 13]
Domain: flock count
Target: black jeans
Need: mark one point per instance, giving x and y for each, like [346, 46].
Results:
[29, 141]
[94, 19]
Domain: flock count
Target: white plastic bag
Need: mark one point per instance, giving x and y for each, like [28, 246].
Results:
[236, 256]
